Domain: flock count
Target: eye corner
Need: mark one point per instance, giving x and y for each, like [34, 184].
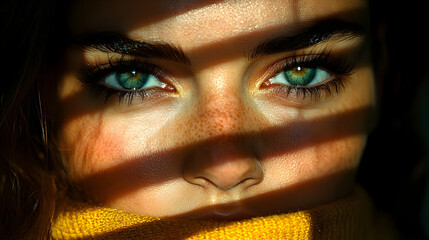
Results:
[265, 84]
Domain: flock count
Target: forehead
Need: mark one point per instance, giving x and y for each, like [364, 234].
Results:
[198, 22]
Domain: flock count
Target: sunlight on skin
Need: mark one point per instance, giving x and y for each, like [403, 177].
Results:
[219, 138]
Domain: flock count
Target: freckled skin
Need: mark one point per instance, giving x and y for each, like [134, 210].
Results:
[220, 140]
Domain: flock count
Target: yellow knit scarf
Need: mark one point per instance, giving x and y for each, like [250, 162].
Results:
[349, 218]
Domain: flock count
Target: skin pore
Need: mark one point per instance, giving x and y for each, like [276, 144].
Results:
[216, 132]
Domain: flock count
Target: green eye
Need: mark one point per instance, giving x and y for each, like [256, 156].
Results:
[132, 80]
[300, 76]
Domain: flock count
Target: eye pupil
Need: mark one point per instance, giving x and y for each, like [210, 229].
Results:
[132, 80]
[300, 76]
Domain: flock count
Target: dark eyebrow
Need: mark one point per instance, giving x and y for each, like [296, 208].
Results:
[119, 43]
[308, 36]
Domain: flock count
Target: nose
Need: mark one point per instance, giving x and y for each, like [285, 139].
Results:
[223, 165]
[225, 157]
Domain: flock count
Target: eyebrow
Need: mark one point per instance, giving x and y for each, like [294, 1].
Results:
[120, 43]
[306, 36]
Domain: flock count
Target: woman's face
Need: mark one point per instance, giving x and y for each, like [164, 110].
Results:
[215, 109]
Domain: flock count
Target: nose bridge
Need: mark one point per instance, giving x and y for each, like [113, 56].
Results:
[221, 114]
[221, 108]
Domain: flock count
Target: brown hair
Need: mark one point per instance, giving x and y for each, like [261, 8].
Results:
[27, 176]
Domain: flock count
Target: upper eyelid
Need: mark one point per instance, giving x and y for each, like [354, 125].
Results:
[321, 60]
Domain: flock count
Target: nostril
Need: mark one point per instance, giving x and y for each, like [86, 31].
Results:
[243, 173]
[243, 183]
[200, 181]
[223, 165]
[229, 185]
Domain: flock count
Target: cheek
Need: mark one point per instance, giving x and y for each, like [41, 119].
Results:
[288, 162]
[338, 156]
[90, 145]
[109, 154]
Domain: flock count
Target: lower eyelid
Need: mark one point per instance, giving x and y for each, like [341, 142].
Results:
[290, 93]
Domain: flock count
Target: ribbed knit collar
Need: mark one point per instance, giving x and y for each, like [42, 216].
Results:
[348, 218]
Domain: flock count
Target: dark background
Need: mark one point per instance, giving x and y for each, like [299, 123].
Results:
[394, 168]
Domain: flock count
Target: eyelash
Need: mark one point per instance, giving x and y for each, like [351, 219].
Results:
[90, 75]
[339, 67]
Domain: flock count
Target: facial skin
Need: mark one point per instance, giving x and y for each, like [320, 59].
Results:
[219, 138]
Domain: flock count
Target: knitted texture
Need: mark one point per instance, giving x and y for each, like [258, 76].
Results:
[349, 218]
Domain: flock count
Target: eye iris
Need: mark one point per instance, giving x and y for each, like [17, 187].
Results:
[132, 79]
[300, 76]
